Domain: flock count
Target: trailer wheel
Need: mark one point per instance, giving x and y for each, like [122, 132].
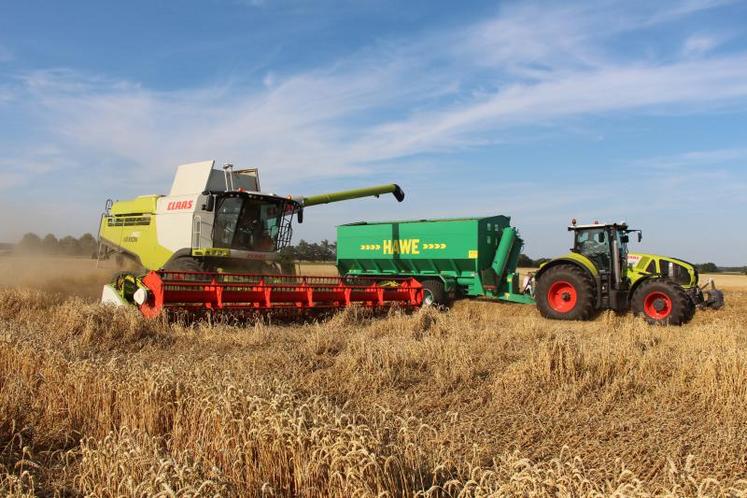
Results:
[662, 302]
[565, 292]
[434, 293]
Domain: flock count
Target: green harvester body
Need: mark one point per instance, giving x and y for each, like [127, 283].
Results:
[473, 257]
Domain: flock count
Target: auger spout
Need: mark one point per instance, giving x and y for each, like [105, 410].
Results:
[344, 195]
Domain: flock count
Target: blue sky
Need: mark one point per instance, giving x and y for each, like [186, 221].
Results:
[543, 111]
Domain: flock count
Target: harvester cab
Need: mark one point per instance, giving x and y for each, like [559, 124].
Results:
[600, 274]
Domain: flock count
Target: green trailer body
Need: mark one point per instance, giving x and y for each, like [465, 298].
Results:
[472, 256]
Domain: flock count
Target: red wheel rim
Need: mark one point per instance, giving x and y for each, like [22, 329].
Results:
[562, 296]
[657, 305]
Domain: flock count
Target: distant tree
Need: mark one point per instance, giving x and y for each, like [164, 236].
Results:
[310, 251]
[525, 261]
[69, 246]
[326, 250]
[30, 243]
[707, 268]
[50, 244]
[88, 245]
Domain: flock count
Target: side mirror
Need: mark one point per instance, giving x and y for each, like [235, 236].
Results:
[210, 204]
[640, 236]
[299, 215]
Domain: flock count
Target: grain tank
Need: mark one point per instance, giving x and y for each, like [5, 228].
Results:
[451, 258]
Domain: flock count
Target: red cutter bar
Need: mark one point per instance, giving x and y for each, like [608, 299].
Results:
[191, 291]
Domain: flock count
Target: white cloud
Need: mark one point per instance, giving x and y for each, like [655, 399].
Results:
[251, 3]
[535, 60]
[698, 158]
[307, 125]
[623, 88]
[697, 45]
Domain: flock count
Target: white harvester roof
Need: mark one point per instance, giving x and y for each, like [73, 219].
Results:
[194, 178]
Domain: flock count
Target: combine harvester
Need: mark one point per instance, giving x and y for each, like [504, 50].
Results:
[212, 245]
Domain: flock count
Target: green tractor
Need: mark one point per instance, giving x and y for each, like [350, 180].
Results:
[599, 274]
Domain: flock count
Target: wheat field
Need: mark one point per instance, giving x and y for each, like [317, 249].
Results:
[486, 399]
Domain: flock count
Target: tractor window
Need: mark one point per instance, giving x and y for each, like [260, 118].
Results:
[591, 242]
[594, 244]
[675, 272]
[680, 274]
[651, 268]
[664, 267]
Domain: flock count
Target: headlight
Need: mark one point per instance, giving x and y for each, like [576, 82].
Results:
[140, 296]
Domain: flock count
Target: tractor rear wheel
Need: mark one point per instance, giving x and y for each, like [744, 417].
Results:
[565, 292]
[662, 302]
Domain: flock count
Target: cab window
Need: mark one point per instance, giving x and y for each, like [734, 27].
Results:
[592, 242]
[247, 224]
[651, 268]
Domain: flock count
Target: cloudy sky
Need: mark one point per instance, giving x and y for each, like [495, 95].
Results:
[543, 111]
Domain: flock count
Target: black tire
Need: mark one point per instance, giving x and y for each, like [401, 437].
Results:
[185, 263]
[662, 302]
[565, 292]
[691, 309]
[434, 293]
[714, 299]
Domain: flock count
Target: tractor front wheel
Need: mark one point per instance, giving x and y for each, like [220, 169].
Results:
[565, 292]
[662, 302]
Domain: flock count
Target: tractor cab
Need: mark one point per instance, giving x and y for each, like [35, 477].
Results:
[605, 245]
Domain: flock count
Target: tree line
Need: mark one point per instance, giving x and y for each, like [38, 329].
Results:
[50, 245]
[310, 251]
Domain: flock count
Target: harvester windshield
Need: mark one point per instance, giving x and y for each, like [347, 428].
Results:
[252, 223]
